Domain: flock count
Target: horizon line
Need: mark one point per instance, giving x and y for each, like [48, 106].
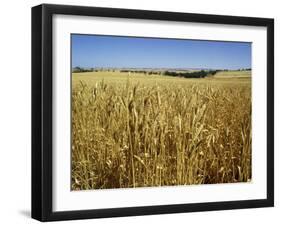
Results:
[184, 68]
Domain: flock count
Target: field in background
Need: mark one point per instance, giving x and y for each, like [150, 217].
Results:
[233, 74]
[153, 130]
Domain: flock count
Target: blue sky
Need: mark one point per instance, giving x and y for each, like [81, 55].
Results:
[114, 51]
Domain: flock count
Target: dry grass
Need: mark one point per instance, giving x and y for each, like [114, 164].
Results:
[132, 133]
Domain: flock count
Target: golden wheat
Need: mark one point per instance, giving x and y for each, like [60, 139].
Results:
[135, 134]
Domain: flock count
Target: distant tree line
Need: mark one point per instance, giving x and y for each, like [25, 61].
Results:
[80, 69]
[183, 74]
[142, 72]
[192, 74]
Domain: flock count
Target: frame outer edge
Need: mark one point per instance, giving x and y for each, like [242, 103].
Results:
[36, 74]
[47, 114]
[42, 112]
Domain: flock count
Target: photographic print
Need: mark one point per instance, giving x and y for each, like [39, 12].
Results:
[149, 112]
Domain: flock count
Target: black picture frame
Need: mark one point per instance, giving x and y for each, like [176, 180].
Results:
[42, 84]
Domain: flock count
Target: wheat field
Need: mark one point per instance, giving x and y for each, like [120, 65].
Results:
[142, 131]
